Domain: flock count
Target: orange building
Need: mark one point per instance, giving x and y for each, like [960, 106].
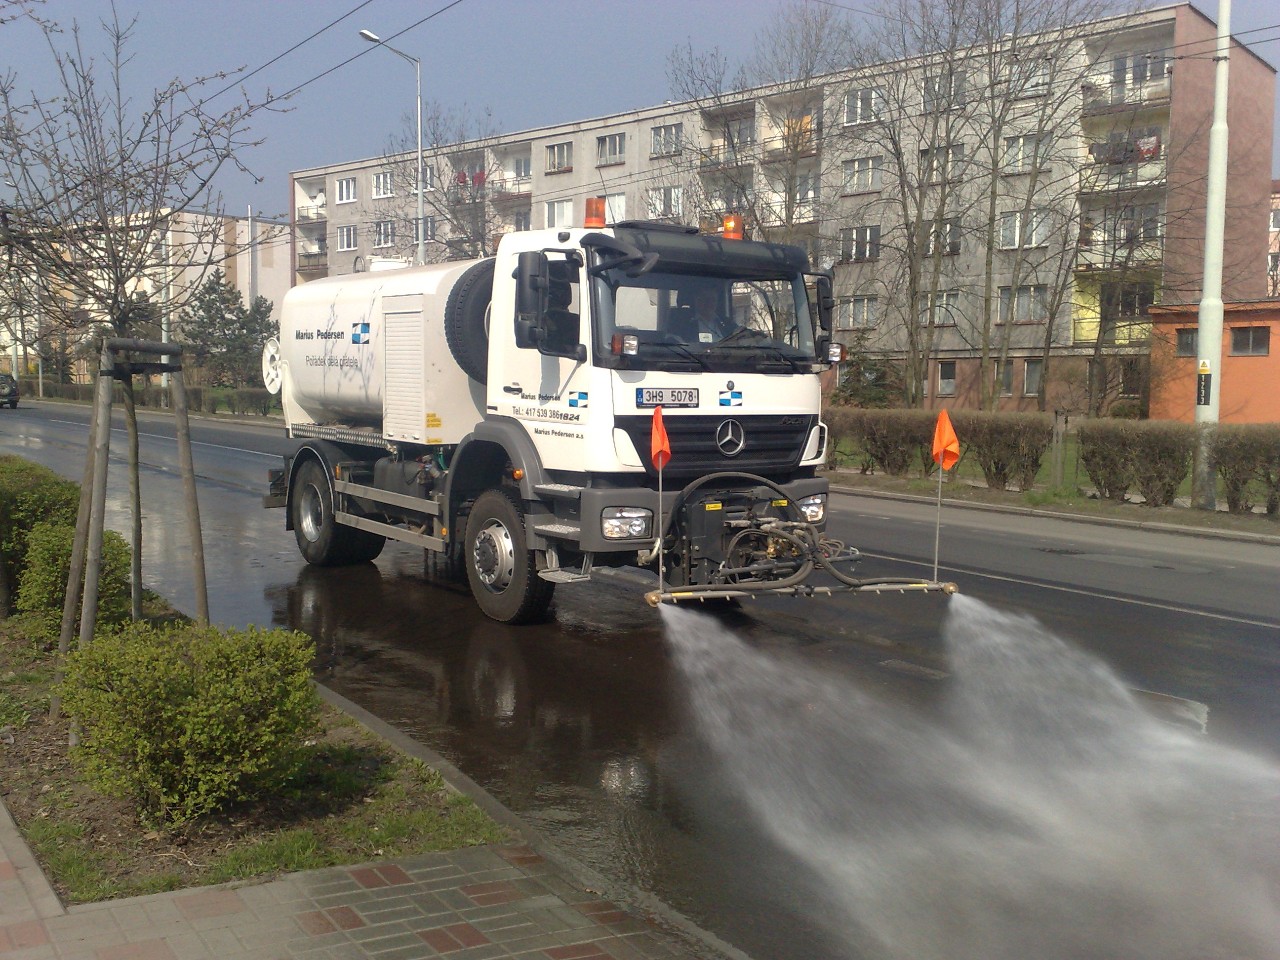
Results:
[1247, 374]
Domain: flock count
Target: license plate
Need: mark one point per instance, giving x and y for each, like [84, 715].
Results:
[666, 396]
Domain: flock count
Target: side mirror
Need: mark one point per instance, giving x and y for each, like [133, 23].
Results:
[532, 282]
[826, 301]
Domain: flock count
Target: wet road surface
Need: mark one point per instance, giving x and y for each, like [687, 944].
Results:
[582, 725]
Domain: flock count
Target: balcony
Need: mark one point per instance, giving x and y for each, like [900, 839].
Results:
[312, 214]
[1123, 177]
[722, 156]
[510, 188]
[1102, 95]
[1119, 255]
[313, 260]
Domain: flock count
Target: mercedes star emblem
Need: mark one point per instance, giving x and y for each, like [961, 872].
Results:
[730, 437]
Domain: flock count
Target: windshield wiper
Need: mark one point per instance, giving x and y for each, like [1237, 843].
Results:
[683, 351]
[776, 353]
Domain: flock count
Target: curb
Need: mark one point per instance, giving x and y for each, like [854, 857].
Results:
[1239, 536]
[674, 923]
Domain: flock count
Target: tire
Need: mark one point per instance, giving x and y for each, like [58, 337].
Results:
[465, 319]
[13, 404]
[500, 568]
[322, 541]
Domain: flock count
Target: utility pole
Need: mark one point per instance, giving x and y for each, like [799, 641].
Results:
[1209, 329]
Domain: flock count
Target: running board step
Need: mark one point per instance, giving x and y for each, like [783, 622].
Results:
[558, 491]
[560, 575]
[559, 531]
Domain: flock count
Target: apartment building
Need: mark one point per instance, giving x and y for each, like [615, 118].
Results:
[253, 253]
[999, 218]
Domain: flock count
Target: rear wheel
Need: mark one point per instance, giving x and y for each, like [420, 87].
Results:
[321, 539]
[501, 569]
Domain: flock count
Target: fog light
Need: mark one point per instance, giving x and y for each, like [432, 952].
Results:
[814, 508]
[626, 523]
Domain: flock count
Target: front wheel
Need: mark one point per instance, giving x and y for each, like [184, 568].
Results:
[501, 569]
[322, 541]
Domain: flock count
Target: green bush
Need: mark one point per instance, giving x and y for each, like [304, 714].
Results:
[1161, 452]
[43, 586]
[1107, 456]
[892, 439]
[29, 494]
[1247, 459]
[186, 720]
[1007, 446]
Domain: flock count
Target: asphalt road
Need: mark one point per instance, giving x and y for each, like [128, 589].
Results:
[599, 729]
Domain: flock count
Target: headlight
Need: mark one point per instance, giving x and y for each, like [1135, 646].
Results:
[814, 508]
[626, 523]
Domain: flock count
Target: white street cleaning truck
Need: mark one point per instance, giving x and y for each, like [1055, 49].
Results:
[503, 412]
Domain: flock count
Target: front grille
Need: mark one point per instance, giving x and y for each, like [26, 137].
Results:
[772, 443]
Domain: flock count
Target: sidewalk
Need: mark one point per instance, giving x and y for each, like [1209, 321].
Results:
[476, 903]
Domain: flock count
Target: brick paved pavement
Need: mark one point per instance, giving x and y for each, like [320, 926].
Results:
[478, 903]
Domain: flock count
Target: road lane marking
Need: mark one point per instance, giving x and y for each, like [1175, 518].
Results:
[1155, 605]
[160, 436]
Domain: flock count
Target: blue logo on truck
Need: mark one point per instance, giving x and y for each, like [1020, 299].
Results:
[359, 333]
[577, 398]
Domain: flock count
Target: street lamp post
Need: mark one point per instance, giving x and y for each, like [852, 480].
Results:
[421, 254]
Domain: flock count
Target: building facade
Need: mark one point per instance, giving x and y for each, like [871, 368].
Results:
[999, 217]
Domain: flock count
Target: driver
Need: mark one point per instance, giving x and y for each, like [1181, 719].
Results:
[708, 323]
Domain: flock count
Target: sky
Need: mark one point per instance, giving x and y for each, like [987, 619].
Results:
[529, 63]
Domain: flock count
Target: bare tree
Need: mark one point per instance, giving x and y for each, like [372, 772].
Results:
[115, 212]
[467, 184]
[766, 151]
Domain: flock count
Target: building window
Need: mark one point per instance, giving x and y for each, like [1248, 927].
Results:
[522, 168]
[666, 202]
[1130, 376]
[615, 207]
[521, 221]
[1128, 299]
[1032, 373]
[1026, 153]
[1024, 228]
[611, 149]
[1027, 304]
[1273, 274]
[863, 105]
[938, 164]
[431, 229]
[1138, 224]
[1188, 344]
[346, 189]
[559, 213]
[945, 90]
[856, 313]
[1250, 341]
[941, 309]
[942, 237]
[429, 178]
[1004, 378]
[862, 174]
[740, 132]
[382, 184]
[859, 244]
[667, 140]
[1029, 75]
[559, 157]
[946, 378]
[384, 233]
[1275, 219]
[347, 237]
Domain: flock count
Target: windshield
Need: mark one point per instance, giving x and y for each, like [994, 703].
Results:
[669, 318]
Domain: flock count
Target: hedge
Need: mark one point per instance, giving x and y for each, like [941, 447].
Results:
[1247, 459]
[29, 494]
[1007, 446]
[190, 719]
[43, 586]
[1152, 455]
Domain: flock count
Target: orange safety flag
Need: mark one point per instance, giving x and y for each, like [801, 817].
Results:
[659, 445]
[946, 445]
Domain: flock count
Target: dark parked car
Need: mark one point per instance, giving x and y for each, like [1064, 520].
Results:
[8, 391]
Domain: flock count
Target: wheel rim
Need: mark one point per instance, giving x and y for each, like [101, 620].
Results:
[311, 513]
[493, 556]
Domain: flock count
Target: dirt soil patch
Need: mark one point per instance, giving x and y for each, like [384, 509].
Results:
[356, 799]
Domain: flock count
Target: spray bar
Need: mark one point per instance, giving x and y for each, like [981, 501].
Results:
[743, 592]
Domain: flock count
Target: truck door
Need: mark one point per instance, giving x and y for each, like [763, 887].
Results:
[546, 386]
